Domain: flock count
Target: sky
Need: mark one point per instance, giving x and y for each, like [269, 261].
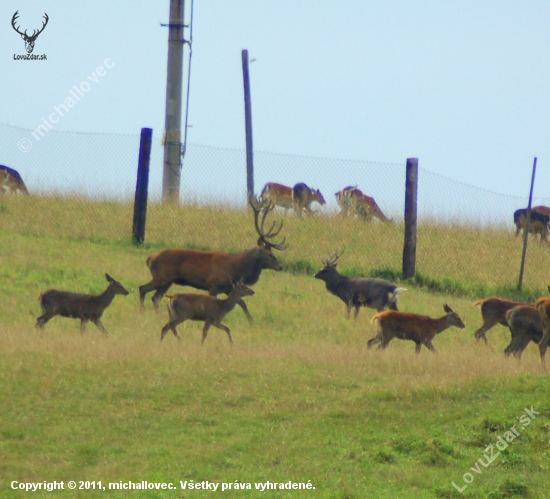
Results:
[463, 86]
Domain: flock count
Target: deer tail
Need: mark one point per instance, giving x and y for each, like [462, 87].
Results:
[478, 302]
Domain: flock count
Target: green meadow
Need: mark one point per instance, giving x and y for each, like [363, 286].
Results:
[298, 398]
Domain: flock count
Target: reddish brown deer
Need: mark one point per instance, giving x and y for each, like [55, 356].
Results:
[303, 196]
[543, 307]
[353, 202]
[525, 326]
[407, 326]
[213, 271]
[79, 306]
[205, 308]
[277, 195]
[493, 312]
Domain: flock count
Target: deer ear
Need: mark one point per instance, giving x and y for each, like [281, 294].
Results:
[109, 278]
[447, 309]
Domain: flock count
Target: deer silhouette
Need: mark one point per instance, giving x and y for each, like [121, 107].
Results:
[29, 40]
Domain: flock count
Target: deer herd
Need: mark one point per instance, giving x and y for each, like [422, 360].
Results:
[231, 273]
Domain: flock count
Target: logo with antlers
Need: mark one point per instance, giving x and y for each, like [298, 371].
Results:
[29, 40]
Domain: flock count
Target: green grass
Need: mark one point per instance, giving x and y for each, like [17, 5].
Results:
[297, 398]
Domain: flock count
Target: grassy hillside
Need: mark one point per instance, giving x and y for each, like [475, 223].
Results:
[297, 398]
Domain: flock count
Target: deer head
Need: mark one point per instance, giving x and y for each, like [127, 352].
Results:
[29, 40]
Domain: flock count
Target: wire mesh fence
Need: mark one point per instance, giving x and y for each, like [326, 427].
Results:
[103, 167]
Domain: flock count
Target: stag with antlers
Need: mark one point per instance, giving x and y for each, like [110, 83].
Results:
[215, 271]
[358, 291]
[29, 40]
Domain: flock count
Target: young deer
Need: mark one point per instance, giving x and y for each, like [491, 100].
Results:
[525, 325]
[209, 309]
[79, 306]
[358, 292]
[543, 307]
[493, 312]
[407, 326]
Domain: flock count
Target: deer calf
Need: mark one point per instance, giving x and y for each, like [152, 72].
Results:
[525, 326]
[209, 309]
[79, 306]
[493, 312]
[358, 291]
[407, 326]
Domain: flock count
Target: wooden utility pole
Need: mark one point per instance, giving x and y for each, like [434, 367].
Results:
[526, 228]
[411, 194]
[248, 126]
[172, 127]
[142, 184]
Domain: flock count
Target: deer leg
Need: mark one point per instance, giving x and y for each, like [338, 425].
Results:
[99, 325]
[159, 294]
[373, 342]
[242, 304]
[480, 333]
[417, 346]
[429, 346]
[41, 321]
[205, 331]
[221, 326]
[543, 345]
[83, 325]
[143, 290]
[171, 325]
[519, 346]
[356, 313]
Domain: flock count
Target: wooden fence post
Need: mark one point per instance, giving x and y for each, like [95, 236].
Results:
[142, 184]
[411, 192]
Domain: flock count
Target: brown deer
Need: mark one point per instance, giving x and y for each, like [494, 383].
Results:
[277, 195]
[525, 326]
[493, 312]
[209, 309]
[407, 326]
[303, 196]
[79, 306]
[353, 201]
[213, 271]
[543, 307]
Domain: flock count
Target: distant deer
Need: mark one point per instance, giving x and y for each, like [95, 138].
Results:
[543, 307]
[79, 306]
[525, 326]
[213, 271]
[303, 196]
[358, 291]
[407, 326]
[209, 309]
[493, 312]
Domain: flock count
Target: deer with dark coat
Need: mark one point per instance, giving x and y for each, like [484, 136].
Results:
[79, 306]
[209, 309]
[358, 292]
[493, 312]
[525, 326]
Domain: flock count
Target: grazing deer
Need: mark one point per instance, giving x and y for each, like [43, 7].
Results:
[277, 195]
[205, 308]
[525, 325]
[358, 291]
[353, 201]
[79, 306]
[493, 312]
[11, 181]
[303, 196]
[406, 326]
[543, 307]
[213, 271]
[538, 223]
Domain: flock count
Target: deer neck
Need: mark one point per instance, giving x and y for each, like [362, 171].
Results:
[442, 324]
[105, 298]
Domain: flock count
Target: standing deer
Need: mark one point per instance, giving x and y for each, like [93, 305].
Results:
[209, 309]
[277, 195]
[303, 196]
[79, 306]
[407, 326]
[493, 312]
[543, 307]
[213, 271]
[358, 291]
[525, 326]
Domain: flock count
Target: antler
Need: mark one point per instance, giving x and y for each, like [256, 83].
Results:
[13, 19]
[332, 259]
[264, 208]
[36, 33]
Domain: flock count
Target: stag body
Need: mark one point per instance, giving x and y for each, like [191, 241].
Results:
[209, 309]
[543, 307]
[357, 291]
[214, 271]
[525, 326]
[79, 306]
[407, 326]
[493, 312]
[29, 40]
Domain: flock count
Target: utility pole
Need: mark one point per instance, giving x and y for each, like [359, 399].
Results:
[248, 126]
[172, 126]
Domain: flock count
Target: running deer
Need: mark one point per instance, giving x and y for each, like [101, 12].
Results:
[209, 309]
[358, 291]
[79, 306]
[407, 326]
[525, 325]
[543, 307]
[213, 271]
[493, 312]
